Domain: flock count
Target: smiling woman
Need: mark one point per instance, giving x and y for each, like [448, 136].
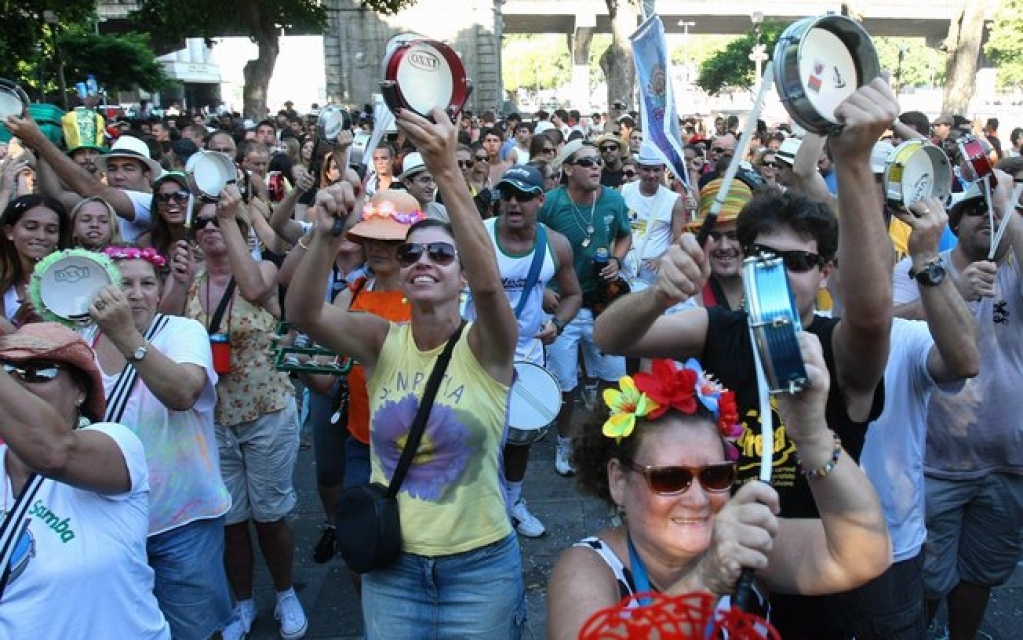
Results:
[33, 227]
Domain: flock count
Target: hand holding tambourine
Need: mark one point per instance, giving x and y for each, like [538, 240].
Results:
[111, 312]
[926, 220]
[227, 206]
[802, 412]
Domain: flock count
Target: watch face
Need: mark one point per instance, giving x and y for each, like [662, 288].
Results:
[933, 274]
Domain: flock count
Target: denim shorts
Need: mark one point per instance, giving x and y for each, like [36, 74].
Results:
[563, 355]
[973, 531]
[257, 460]
[191, 584]
[357, 465]
[476, 594]
[328, 438]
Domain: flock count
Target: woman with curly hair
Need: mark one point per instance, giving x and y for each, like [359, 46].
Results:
[664, 459]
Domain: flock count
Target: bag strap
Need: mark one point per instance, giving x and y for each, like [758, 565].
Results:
[425, 405]
[118, 400]
[218, 315]
[14, 526]
[539, 252]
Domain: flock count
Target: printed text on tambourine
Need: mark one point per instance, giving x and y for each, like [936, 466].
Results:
[72, 274]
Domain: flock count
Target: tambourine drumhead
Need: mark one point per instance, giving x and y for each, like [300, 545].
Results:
[974, 161]
[331, 121]
[818, 63]
[535, 399]
[421, 74]
[209, 172]
[64, 284]
[12, 99]
[916, 170]
[774, 319]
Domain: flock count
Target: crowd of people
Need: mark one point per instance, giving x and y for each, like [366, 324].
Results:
[150, 449]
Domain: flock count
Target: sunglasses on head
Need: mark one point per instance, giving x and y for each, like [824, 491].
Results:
[181, 195]
[795, 261]
[588, 161]
[519, 196]
[440, 253]
[34, 372]
[673, 480]
[202, 221]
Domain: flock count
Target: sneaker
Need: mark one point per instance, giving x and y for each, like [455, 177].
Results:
[525, 522]
[590, 395]
[245, 613]
[563, 458]
[326, 548]
[233, 631]
[292, 617]
[937, 631]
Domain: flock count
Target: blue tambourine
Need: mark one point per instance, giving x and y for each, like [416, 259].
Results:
[774, 323]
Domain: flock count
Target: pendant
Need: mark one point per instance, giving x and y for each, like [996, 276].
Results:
[589, 230]
[586, 242]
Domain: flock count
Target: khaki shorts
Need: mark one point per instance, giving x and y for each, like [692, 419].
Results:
[257, 459]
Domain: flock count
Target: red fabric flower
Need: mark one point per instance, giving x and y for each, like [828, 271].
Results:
[668, 386]
[728, 415]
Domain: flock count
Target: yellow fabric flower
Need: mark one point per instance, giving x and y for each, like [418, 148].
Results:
[626, 404]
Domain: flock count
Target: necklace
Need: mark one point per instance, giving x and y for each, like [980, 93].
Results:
[580, 220]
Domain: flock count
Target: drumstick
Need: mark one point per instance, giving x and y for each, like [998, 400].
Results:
[733, 167]
[188, 216]
[990, 215]
[1017, 189]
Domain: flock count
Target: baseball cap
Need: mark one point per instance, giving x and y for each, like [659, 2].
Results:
[525, 178]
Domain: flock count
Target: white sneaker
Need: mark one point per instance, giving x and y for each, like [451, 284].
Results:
[525, 522]
[563, 458]
[233, 631]
[292, 617]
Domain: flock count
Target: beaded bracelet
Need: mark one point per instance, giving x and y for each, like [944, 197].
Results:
[827, 467]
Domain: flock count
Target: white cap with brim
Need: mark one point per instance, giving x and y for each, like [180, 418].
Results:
[134, 149]
[787, 151]
[411, 165]
[648, 157]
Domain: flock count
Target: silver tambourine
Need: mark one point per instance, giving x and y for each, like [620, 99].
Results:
[818, 63]
[421, 74]
[13, 100]
[916, 169]
[331, 121]
[208, 173]
[774, 321]
[534, 401]
[64, 284]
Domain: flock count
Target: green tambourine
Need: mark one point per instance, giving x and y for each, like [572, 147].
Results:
[64, 283]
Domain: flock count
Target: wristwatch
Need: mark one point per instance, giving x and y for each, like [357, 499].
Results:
[931, 274]
[138, 355]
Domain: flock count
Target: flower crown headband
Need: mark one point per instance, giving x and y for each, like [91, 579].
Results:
[150, 255]
[386, 209]
[668, 386]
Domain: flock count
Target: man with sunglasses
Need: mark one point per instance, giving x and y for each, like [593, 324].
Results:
[515, 238]
[804, 234]
[973, 469]
[612, 148]
[593, 217]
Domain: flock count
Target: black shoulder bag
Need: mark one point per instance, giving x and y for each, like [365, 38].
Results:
[369, 529]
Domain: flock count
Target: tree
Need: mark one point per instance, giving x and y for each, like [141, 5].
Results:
[962, 47]
[535, 62]
[730, 67]
[920, 65]
[1004, 48]
[616, 61]
[121, 62]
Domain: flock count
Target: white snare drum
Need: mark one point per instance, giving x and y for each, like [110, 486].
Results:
[64, 283]
[209, 172]
[533, 404]
[818, 63]
[13, 100]
[774, 319]
[421, 74]
[917, 169]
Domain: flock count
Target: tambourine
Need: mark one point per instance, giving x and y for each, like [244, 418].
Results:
[208, 173]
[64, 283]
[13, 99]
[774, 321]
[917, 169]
[421, 74]
[534, 401]
[331, 121]
[974, 163]
[818, 63]
[286, 355]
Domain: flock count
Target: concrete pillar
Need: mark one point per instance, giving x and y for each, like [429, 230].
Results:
[581, 40]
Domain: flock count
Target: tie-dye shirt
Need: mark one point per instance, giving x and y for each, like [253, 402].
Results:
[452, 499]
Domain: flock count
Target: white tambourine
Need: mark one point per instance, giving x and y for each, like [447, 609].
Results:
[421, 74]
[13, 100]
[916, 169]
[64, 284]
[208, 173]
[818, 63]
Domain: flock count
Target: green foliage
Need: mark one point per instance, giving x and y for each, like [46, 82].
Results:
[174, 20]
[730, 67]
[119, 62]
[387, 7]
[1004, 47]
[531, 61]
[26, 39]
[922, 66]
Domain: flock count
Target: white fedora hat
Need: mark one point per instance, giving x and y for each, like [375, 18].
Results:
[131, 147]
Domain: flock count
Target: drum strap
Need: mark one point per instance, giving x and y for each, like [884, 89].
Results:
[118, 398]
[539, 251]
[14, 526]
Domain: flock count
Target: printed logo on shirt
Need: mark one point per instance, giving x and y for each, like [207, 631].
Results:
[750, 445]
[61, 527]
[24, 551]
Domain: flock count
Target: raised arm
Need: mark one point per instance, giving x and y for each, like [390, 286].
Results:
[809, 180]
[257, 281]
[861, 339]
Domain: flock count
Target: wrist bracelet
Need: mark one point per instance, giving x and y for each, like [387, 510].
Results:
[828, 466]
[303, 245]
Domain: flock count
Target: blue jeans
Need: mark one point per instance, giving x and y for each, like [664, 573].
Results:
[328, 438]
[357, 465]
[191, 584]
[476, 594]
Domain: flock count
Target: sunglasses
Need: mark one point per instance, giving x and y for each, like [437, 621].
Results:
[588, 161]
[519, 196]
[629, 174]
[720, 150]
[768, 164]
[181, 195]
[609, 149]
[549, 151]
[34, 373]
[464, 164]
[672, 480]
[481, 158]
[975, 209]
[440, 253]
[201, 222]
[795, 261]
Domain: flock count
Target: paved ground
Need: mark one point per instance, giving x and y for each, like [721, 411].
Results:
[327, 594]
